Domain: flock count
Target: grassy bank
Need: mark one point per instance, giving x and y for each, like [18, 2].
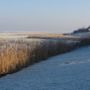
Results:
[21, 50]
[16, 54]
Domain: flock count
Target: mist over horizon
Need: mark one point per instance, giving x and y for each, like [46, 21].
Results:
[43, 31]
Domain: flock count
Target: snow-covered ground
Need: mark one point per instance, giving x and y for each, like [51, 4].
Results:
[70, 71]
[37, 35]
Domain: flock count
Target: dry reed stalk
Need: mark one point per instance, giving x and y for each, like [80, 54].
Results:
[16, 54]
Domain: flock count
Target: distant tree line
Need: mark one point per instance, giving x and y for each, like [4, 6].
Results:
[82, 30]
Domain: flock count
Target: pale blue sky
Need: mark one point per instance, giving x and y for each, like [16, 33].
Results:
[44, 15]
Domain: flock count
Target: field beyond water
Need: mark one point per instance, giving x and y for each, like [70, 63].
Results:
[19, 50]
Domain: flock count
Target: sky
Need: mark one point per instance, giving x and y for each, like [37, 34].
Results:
[53, 16]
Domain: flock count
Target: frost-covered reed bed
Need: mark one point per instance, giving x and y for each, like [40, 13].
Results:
[16, 54]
